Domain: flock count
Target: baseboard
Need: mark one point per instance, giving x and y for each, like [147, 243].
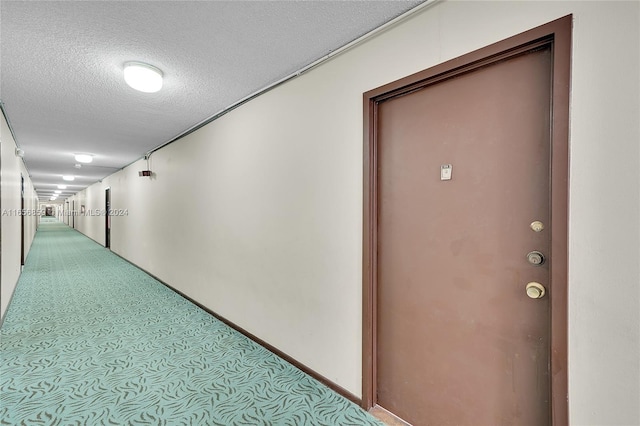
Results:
[328, 383]
[8, 305]
[13, 292]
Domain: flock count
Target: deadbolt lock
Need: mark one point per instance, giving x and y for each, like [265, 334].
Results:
[535, 258]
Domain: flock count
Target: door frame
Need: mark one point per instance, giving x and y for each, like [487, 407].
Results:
[557, 35]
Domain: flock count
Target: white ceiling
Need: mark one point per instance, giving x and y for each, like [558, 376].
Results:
[61, 65]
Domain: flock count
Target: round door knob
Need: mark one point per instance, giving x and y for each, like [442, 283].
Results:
[537, 226]
[535, 290]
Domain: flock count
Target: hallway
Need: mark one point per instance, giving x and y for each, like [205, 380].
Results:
[260, 207]
[90, 339]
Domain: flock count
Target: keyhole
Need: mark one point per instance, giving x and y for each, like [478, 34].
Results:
[535, 258]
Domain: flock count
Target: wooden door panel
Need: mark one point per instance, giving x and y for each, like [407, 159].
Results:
[458, 340]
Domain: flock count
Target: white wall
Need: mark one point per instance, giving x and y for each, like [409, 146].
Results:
[10, 169]
[258, 215]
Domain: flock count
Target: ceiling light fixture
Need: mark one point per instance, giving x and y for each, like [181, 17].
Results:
[77, 165]
[62, 186]
[68, 178]
[58, 192]
[143, 77]
[84, 158]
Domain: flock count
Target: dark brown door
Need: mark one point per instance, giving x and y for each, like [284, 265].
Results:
[463, 240]
[22, 215]
[107, 218]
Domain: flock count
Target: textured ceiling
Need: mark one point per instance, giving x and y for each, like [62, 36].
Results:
[61, 65]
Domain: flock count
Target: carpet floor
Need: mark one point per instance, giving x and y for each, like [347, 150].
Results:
[89, 339]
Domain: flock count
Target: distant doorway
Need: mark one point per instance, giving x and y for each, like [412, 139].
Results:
[107, 218]
[22, 220]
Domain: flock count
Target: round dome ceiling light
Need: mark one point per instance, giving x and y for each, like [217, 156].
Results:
[143, 77]
[84, 158]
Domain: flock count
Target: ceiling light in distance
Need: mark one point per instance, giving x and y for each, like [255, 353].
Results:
[58, 192]
[53, 198]
[78, 166]
[62, 186]
[68, 178]
[84, 158]
[143, 77]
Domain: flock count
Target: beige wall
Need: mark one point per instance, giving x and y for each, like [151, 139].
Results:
[10, 169]
[258, 215]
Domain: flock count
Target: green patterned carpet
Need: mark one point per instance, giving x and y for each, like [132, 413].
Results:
[91, 340]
